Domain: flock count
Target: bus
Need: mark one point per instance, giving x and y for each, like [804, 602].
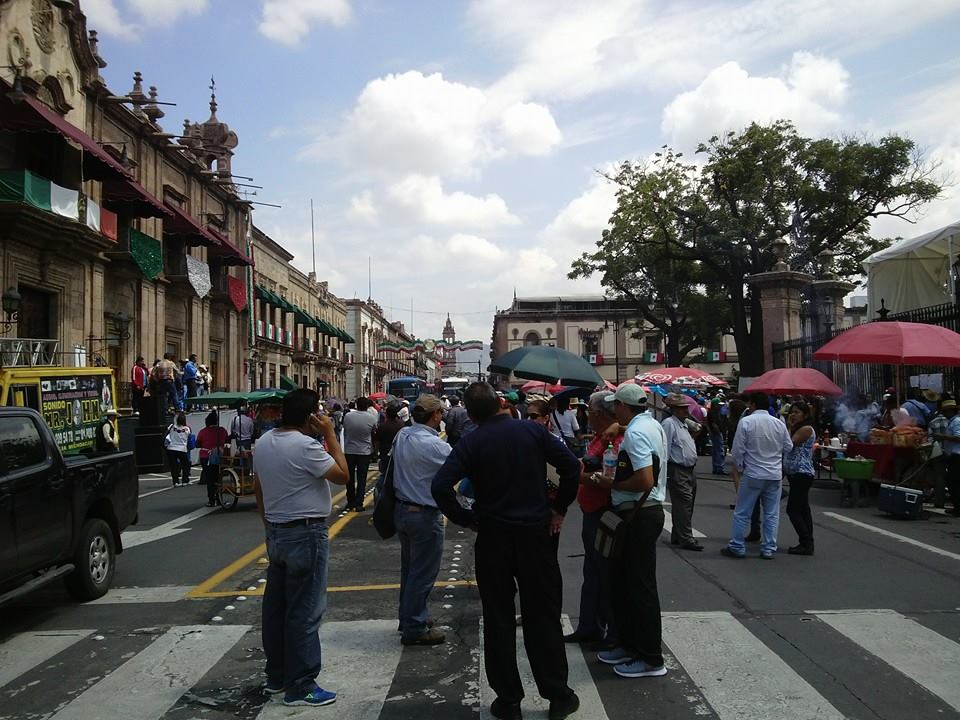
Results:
[407, 388]
[454, 385]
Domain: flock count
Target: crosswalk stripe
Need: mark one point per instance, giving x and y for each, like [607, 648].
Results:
[923, 655]
[25, 650]
[739, 675]
[152, 681]
[359, 662]
[668, 525]
[578, 678]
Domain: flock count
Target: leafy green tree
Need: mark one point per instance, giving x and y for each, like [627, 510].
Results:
[719, 221]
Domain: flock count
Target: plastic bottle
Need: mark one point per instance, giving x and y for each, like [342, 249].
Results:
[609, 461]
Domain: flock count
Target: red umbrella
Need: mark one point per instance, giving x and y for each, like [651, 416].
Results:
[678, 376]
[894, 343]
[794, 381]
[538, 386]
[377, 396]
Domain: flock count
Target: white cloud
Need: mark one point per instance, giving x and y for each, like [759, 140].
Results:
[529, 128]
[473, 248]
[363, 209]
[568, 49]
[811, 93]
[412, 123]
[425, 198]
[289, 21]
[104, 15]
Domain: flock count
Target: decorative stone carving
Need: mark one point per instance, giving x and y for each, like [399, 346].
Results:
[18, 52]
[43, 24]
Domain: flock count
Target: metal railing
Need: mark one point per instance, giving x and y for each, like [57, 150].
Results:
[29, 352]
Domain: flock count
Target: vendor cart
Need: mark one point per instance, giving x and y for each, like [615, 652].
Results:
[236, 478]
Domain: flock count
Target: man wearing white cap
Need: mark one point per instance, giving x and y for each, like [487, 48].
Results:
[106, 440]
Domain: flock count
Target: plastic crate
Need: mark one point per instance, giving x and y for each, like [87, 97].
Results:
[848, 469]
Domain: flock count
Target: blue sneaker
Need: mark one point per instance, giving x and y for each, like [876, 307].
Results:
[639, 669]
[614, 657]
[316, 697]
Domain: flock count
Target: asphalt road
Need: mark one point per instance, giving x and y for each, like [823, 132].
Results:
[868, 628]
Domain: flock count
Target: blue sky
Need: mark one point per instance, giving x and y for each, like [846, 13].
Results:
[458, 143]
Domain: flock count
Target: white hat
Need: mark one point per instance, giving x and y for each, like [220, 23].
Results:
[404, 414]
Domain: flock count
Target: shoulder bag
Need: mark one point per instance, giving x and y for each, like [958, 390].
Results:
[384, 505]
[609, 537]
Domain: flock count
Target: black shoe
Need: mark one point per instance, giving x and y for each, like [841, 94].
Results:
[733, 506]
[800, 550]
[506, 710]
[753, 537]
[579, 637]
[727, 552]
[559, 709]
[695, 546]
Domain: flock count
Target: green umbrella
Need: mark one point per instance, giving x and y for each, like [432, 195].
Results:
[223, 399]
[288, 384]
[549, 364]
[265, 396]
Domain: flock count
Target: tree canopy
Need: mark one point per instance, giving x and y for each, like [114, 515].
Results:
[684, 237]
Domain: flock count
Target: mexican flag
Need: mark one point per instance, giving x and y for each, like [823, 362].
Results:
[653, 357]
[716, 356]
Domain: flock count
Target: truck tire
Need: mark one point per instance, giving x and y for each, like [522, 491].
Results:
[94, 562]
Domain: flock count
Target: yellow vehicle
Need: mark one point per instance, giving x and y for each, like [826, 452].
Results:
[71, 400]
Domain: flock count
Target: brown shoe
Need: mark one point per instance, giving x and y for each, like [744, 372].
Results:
[430, 637]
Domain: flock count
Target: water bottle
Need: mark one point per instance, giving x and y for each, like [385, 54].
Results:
[609, 461]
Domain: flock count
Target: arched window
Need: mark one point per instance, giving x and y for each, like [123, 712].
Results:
[531, 338]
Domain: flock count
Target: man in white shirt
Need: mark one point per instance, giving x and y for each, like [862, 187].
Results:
[241, 429]
[358, 429]
[565, 422]
[758, 449]
[681, 471]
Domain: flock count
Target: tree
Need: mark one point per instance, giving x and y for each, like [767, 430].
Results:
[638, 258]
[757, 186]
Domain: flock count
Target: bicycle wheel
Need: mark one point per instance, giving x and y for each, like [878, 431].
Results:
[229, 488]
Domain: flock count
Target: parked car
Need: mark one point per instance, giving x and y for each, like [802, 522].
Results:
[59, 516]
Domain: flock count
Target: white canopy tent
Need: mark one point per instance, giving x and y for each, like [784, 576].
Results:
[913, 273]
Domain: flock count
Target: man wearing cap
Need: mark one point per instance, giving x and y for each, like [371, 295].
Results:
[637, 492]
[418, 453]
[506, 460]
[106, 439]
[950, 436]
[681, 471]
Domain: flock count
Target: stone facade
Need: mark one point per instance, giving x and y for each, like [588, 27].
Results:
[604, 331]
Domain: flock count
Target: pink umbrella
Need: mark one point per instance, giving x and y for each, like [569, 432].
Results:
[538, 386]
[678, 376]
[894, 343]
[794, 381]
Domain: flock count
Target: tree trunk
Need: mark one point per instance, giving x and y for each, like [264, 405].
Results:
[674, 358]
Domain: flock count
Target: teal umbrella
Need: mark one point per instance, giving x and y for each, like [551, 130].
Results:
[549, 364]
[222, 399]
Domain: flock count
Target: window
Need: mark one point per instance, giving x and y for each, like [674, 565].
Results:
[531, 338]
[591, 344]
[36, 315]
[20, 444]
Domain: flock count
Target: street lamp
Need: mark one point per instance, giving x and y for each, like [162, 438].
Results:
[11, 307]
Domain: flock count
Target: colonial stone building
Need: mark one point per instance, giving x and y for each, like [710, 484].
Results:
[373, 366]
[298, 325]
[605, 332]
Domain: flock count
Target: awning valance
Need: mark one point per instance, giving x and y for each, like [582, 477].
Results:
[119, 187]
[180, 223]
[228, 253]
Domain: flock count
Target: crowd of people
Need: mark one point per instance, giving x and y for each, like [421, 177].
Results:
[481, 461]
[169, 380]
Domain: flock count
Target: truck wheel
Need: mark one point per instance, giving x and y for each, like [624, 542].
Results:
[94, 562]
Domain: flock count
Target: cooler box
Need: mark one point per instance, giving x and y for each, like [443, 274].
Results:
[900, 501]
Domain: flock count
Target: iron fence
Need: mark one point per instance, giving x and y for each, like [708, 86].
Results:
[872, 378]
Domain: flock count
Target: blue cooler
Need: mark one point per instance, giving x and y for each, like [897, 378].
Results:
[901, 502]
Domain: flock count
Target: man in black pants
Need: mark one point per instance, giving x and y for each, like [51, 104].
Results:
[506, 461]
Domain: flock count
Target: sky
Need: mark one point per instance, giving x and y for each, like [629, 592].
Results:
[457, 147]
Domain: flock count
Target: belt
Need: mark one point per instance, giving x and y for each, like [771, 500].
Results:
[685, 467]
[416, 505]
[300, 522]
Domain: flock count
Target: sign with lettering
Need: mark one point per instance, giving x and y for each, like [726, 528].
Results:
[73, 407]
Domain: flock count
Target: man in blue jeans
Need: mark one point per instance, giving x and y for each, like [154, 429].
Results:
[758, 449]
[418, 453]
[293, 498]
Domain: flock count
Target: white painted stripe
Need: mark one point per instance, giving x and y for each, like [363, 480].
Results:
[739, 675]
[166, 489]
[359, 661]
[893, 535]
[923, 655]
[668, 525]
[24, 651]
[578, 678]
[152, 681]
[133, 538]
[132, 595]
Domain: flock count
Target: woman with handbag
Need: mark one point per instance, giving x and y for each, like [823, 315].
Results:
[211, 440]
[177, 443]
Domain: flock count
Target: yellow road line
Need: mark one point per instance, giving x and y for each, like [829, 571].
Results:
[205, 589]
[344, 588]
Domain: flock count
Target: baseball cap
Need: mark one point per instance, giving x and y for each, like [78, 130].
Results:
[629, 395]
[429, 403]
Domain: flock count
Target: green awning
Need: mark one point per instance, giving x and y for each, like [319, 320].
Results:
[147, 253]
[288, 384]
[303, 317]
[345, 336]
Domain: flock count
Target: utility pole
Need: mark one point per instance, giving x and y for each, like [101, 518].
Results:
[313, 242]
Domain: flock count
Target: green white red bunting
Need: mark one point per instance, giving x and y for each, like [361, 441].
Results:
[420, 346]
